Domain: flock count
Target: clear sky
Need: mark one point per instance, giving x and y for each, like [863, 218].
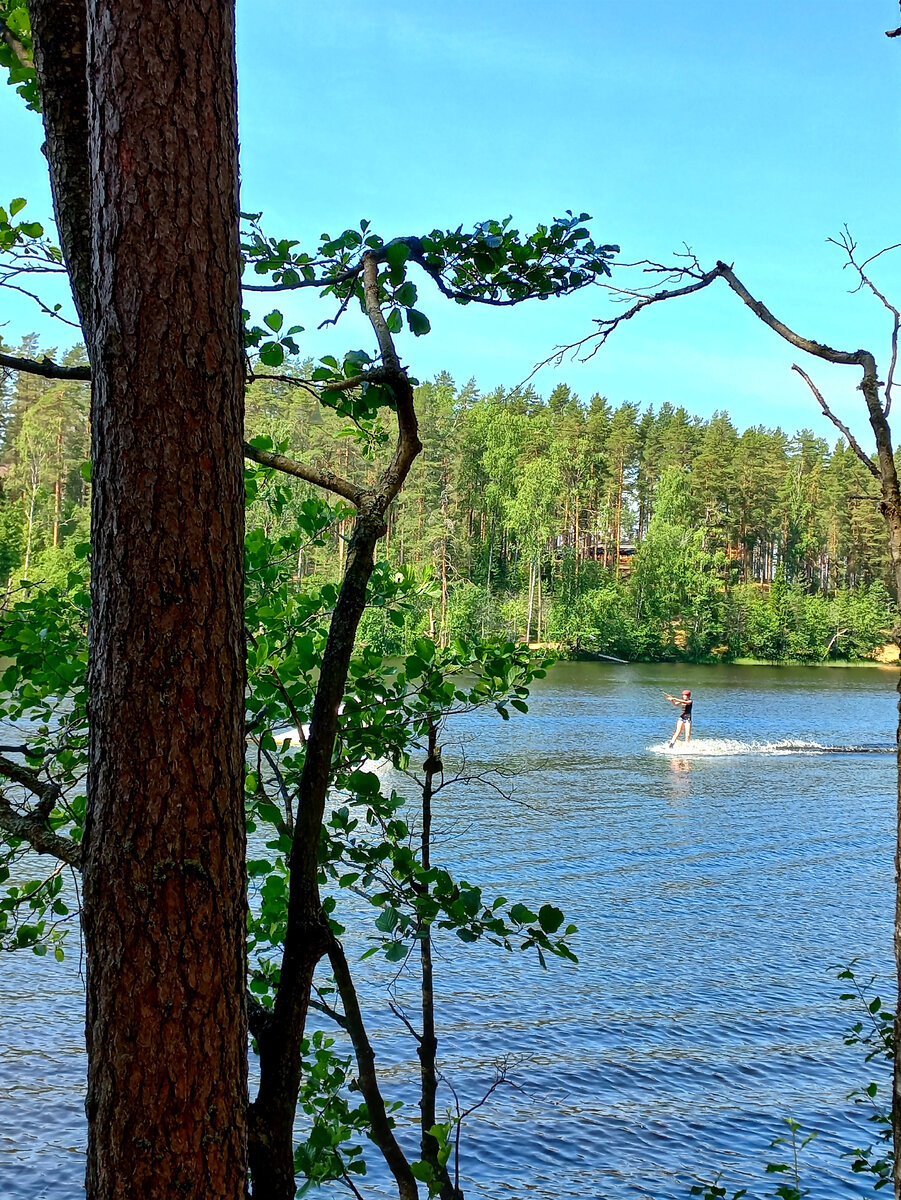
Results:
[750, 132]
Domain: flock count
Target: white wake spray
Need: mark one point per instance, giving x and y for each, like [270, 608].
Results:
[732, 747]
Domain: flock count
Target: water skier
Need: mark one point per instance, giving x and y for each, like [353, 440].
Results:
[683, 722]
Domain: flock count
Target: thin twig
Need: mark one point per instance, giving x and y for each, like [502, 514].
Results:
[845, 431]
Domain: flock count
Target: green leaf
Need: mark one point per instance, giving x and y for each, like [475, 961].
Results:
[272, 354]
[418, 322]
[387, 920]
[274, 320]
[406, 294]
[549, 918]
[523, 915]
[422, 1171]
[397, 254]
[16, 206]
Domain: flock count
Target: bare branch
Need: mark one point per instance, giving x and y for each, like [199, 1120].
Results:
[404, 1019]
[318, 476]
[291, 380]
[351, 1186]
[846, 242]
[47, 793]
[45, 367]
[45, 308]
[606, 326]
[817, 349]
[845, 431]
[321, 281]
[501, 1068]
[381, 1132]
[885, 250]
[327, 1011]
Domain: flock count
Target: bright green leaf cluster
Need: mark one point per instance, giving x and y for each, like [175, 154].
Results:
[491, 264]
[331, 1151]
[20, 234]
[17, 51]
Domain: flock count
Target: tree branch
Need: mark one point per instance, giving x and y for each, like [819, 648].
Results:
[45, 308]
[408, 443]
[845, 431]
[851, 358]
[846, 242]
[381, 1131]
[31, 827]
[375, 314]
[607, 325]
[45, 367]
[16, 46]
[319, 477]
[47, 793]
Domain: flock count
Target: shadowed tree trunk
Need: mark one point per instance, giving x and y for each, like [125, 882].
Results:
[157, 288]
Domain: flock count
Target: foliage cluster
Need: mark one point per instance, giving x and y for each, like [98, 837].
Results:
[369, 848]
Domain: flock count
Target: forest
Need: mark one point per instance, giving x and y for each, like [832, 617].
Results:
[636, 532]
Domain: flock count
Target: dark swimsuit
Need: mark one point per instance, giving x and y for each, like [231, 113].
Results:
[685, 715]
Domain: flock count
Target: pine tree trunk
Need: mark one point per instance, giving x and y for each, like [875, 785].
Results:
[531, 600]
[29, 539]
[538, 592]
[444, 520]
[164, 893]
[618, 515]
[58, 484]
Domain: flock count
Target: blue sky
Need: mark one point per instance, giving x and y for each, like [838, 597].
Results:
[751, 132]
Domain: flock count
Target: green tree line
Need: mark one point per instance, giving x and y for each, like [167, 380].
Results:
[638, 533]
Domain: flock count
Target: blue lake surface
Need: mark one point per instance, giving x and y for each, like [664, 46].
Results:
[716, 892]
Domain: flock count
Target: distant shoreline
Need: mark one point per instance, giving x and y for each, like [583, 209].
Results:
[884, 663]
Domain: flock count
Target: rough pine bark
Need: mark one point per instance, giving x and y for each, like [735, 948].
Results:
[164, 893]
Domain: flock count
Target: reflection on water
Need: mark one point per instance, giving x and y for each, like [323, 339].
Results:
[680, 784]
[714, 894]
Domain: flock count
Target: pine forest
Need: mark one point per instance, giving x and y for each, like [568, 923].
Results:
[641, 533]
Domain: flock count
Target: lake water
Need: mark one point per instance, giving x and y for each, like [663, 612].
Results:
[715, 892]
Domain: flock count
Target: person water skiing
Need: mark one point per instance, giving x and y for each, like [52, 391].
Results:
[683, 722]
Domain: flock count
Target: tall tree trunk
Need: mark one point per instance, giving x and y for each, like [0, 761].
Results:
[29, 538]
[58, 484]
[164, 890]
[618, 514]
[578, 535]
[490, 557]
[531, 600]
[444, 520]
[538, 596]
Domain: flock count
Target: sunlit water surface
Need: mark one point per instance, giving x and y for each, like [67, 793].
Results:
[715, 890]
